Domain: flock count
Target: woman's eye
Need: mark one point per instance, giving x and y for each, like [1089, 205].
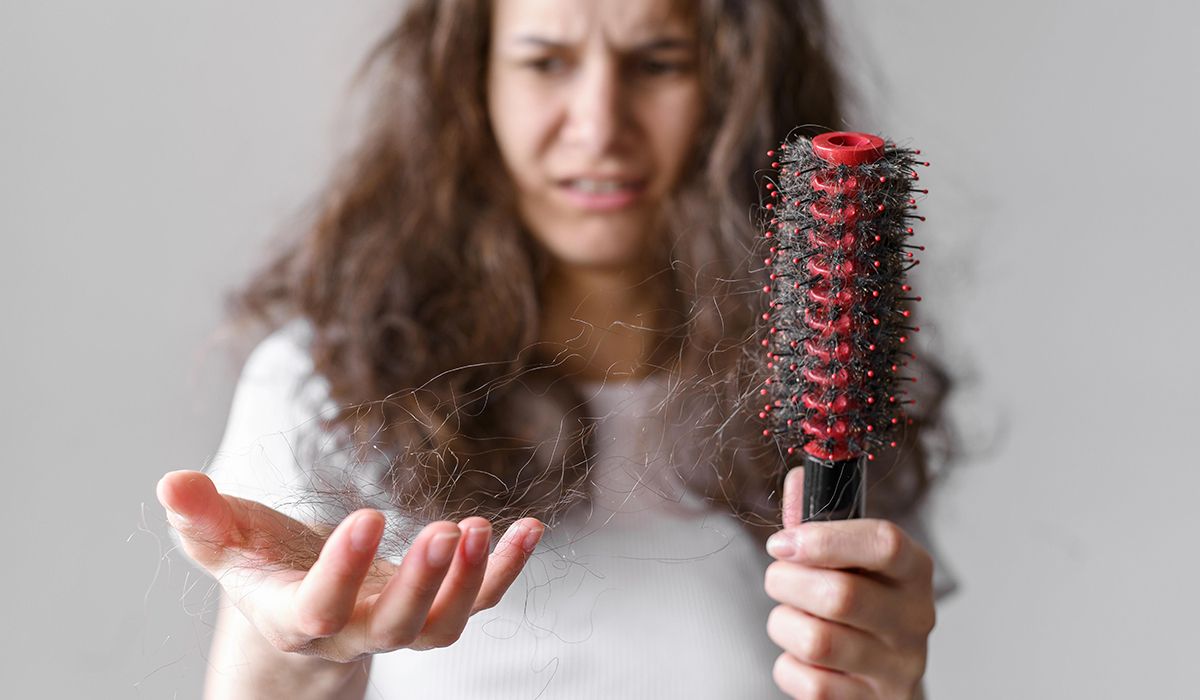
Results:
[656, 67]
[546, 64]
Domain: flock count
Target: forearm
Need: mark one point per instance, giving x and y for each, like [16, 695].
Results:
[244, 666]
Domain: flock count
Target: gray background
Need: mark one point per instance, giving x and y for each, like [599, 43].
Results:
[149, 149]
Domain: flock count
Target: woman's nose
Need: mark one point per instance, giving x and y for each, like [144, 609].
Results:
[597, 112]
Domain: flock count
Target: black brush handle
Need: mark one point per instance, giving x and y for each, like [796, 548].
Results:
[834, 490]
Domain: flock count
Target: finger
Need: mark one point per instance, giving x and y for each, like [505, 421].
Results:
[829, 645]
[454, 602]
[800, 680]
[841, 596]
[200, 515]
[877, 546]
[401, 610]
[793, 497]
[505, 564]
[325, 597]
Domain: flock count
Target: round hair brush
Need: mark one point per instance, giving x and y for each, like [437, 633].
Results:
[839, 219]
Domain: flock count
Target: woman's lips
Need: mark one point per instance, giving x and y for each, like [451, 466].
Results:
[601, 194]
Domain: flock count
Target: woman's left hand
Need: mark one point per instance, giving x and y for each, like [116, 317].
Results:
[856, 606]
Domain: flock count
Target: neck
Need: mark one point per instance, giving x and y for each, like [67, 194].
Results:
[603, 324]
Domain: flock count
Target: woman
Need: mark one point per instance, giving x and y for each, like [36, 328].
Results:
[529, 277]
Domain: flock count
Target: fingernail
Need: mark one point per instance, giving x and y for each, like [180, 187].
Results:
[364, 534]
[780, 547]
[440, 550]
[532, 536]
[477, 543]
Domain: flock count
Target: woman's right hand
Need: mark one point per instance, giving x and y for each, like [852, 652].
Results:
[326, 594]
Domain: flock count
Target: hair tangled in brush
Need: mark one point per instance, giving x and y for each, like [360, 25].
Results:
[837, 244]
[425, 310]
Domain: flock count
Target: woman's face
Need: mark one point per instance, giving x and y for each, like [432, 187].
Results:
[595, 105]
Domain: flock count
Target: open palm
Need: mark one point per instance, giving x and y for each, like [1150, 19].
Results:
[325, 593]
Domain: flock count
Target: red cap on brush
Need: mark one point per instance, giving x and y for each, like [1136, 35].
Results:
[838, 234]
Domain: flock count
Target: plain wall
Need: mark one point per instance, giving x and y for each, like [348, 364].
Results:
[148, 150]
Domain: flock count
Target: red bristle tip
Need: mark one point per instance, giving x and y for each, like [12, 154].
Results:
[770, 153]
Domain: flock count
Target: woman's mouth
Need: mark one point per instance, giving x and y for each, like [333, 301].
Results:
[601, 194]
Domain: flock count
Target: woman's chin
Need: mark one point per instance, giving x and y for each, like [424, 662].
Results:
[598, 251]
[599, 260]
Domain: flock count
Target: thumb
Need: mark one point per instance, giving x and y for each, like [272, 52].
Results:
[201, 515]
[793, 498]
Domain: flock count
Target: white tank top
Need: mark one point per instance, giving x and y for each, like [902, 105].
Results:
[641, 594]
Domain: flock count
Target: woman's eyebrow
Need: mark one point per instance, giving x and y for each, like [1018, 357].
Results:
[655, 44]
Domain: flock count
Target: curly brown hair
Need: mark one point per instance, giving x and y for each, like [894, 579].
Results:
[423, 291]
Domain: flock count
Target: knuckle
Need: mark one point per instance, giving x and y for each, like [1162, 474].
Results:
[776, 621]
[816, 542]
[289, 644]
[792, 678]
[842, 600]
[913, 667]
[316, 625]
[772, 580]
[928, 620]
[924, 567]
[890, 541]
[395, 638]
[817, 643]
[818, 689]
[781, 672]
